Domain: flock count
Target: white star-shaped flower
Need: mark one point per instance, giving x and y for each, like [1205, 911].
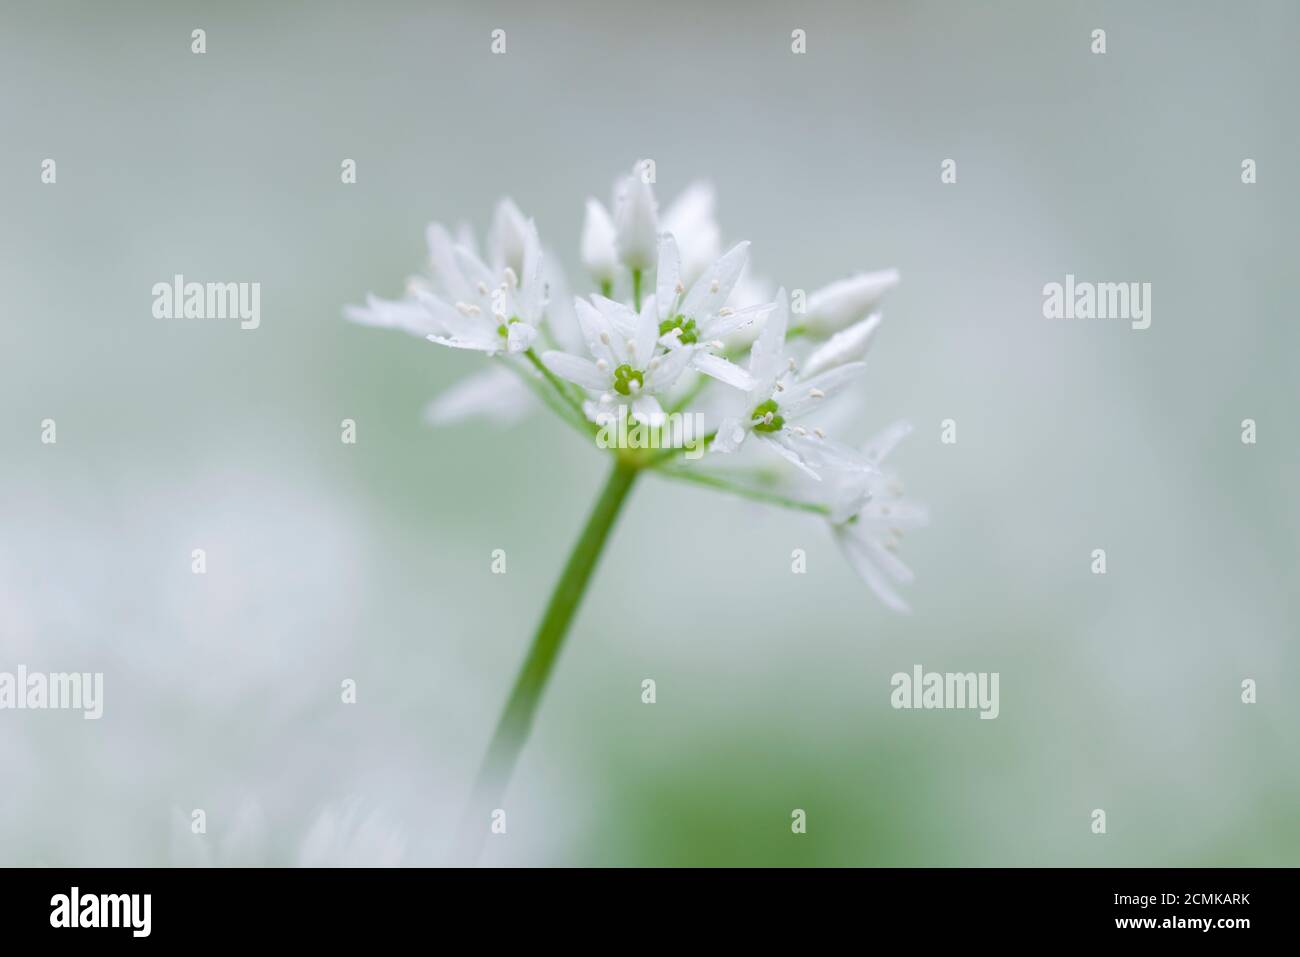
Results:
[626, 364]
[780, 398]
[697, 319]
[869, 515]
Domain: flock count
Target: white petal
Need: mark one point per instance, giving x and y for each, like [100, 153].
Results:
[691, 219]
[670, 367]
[598, 333]
[730, 435]
[767, 355]
[773, 441]
[849, 498]
[646, 408]
[806, 396]
[667, 275]
[895, 513]
[442, 259]
[858, 557]
[841, 303]
[719, 327]
[847, 345]
[820, 453]
[599, 243]
[530, 297]
[646, 336]
[636, 221]
[892, 564]
[620, 317]
[490, 346]
[582, 371]
[560, 317]
[880, 445]
[408, 315]
[507, 237]
[520, 336]
[719, 368]
[496, 394]
[710, 291]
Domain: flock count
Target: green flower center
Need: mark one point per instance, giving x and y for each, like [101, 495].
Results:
[624, 376]
[503, 330]
[760, 417]
[687, 326]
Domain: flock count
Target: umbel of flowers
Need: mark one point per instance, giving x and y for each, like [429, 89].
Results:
[678, 358]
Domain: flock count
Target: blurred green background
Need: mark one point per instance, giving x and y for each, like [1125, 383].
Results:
[328, 561]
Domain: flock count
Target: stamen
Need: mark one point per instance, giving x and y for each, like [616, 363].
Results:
[817, 393]
[714, 286]
[726, 311]
[482, 288]
[779, 387]
[602, 365]
[679, 288]
[511, 278]
[604, 338]
[466, 309]
[819, 433]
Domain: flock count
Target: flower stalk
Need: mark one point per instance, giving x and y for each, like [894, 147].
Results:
[517, 719]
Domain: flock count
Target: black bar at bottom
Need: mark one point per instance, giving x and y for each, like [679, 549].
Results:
[337, 906]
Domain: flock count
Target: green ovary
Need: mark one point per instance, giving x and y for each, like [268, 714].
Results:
[689, 334]
[624, 376]
[759, 417]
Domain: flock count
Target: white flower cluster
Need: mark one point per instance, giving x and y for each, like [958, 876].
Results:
[673, 316]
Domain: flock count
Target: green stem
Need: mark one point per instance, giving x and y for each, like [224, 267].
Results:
[517, 718]
[636, 289]
[561, 387]
[757, 494]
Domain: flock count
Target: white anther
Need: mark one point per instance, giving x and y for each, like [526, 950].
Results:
[726, 311]
[817, 393]
[482, 288]
[511, 278]
[466, 309]
[819, 433]
[679, 288]
[602, 365]
[767, 419]
[604, 338]
[714, 286]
